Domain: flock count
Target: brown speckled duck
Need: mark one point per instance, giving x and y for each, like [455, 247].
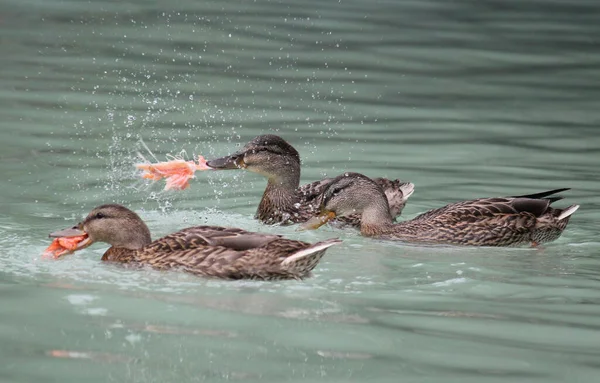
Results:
[504, 221]
[208, 251]
[284, 200]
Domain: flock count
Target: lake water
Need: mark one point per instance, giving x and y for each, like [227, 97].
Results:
[466, 99]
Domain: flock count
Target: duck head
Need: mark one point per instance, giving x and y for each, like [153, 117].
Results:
[349, 194]
[113, 224]
[268, 155]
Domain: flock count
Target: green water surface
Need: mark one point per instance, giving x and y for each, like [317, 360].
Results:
[464, 98]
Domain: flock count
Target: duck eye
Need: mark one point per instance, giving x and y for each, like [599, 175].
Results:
[99, 216]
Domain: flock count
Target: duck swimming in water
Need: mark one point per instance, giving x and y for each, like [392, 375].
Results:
[284, 200]
[503, 221]
[208, 251]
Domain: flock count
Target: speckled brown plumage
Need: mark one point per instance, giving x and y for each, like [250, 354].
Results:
[284, 201]
[208, 251]
[504, 221]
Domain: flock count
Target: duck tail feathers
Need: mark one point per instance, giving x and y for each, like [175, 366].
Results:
[407, 189]
[315, 248]
[565, 213]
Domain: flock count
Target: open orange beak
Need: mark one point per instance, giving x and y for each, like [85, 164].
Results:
[318, 221]
[66, 242]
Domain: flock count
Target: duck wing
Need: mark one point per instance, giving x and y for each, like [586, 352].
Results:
[311, 193]
[202, 236]
[505, 221]
[536, 204]
[482, 222]
[210, 261]
[276, 259]
[487, 207]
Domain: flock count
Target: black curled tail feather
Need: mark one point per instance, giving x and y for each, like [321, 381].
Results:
[544, 195]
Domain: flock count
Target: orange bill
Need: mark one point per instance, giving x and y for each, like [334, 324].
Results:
[177, 172]
[317, 221]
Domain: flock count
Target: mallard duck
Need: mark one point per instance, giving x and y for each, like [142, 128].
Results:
[502, 221]
[209, 251]
[284, 201]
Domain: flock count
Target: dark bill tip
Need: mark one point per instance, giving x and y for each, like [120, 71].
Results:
[227, 162]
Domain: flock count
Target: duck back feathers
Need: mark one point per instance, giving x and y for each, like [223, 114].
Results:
[227, 253]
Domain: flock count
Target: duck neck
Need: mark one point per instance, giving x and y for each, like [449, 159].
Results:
[279, 202]
[280, 199]
[375, 220]
[285, 177]
[125, 247]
